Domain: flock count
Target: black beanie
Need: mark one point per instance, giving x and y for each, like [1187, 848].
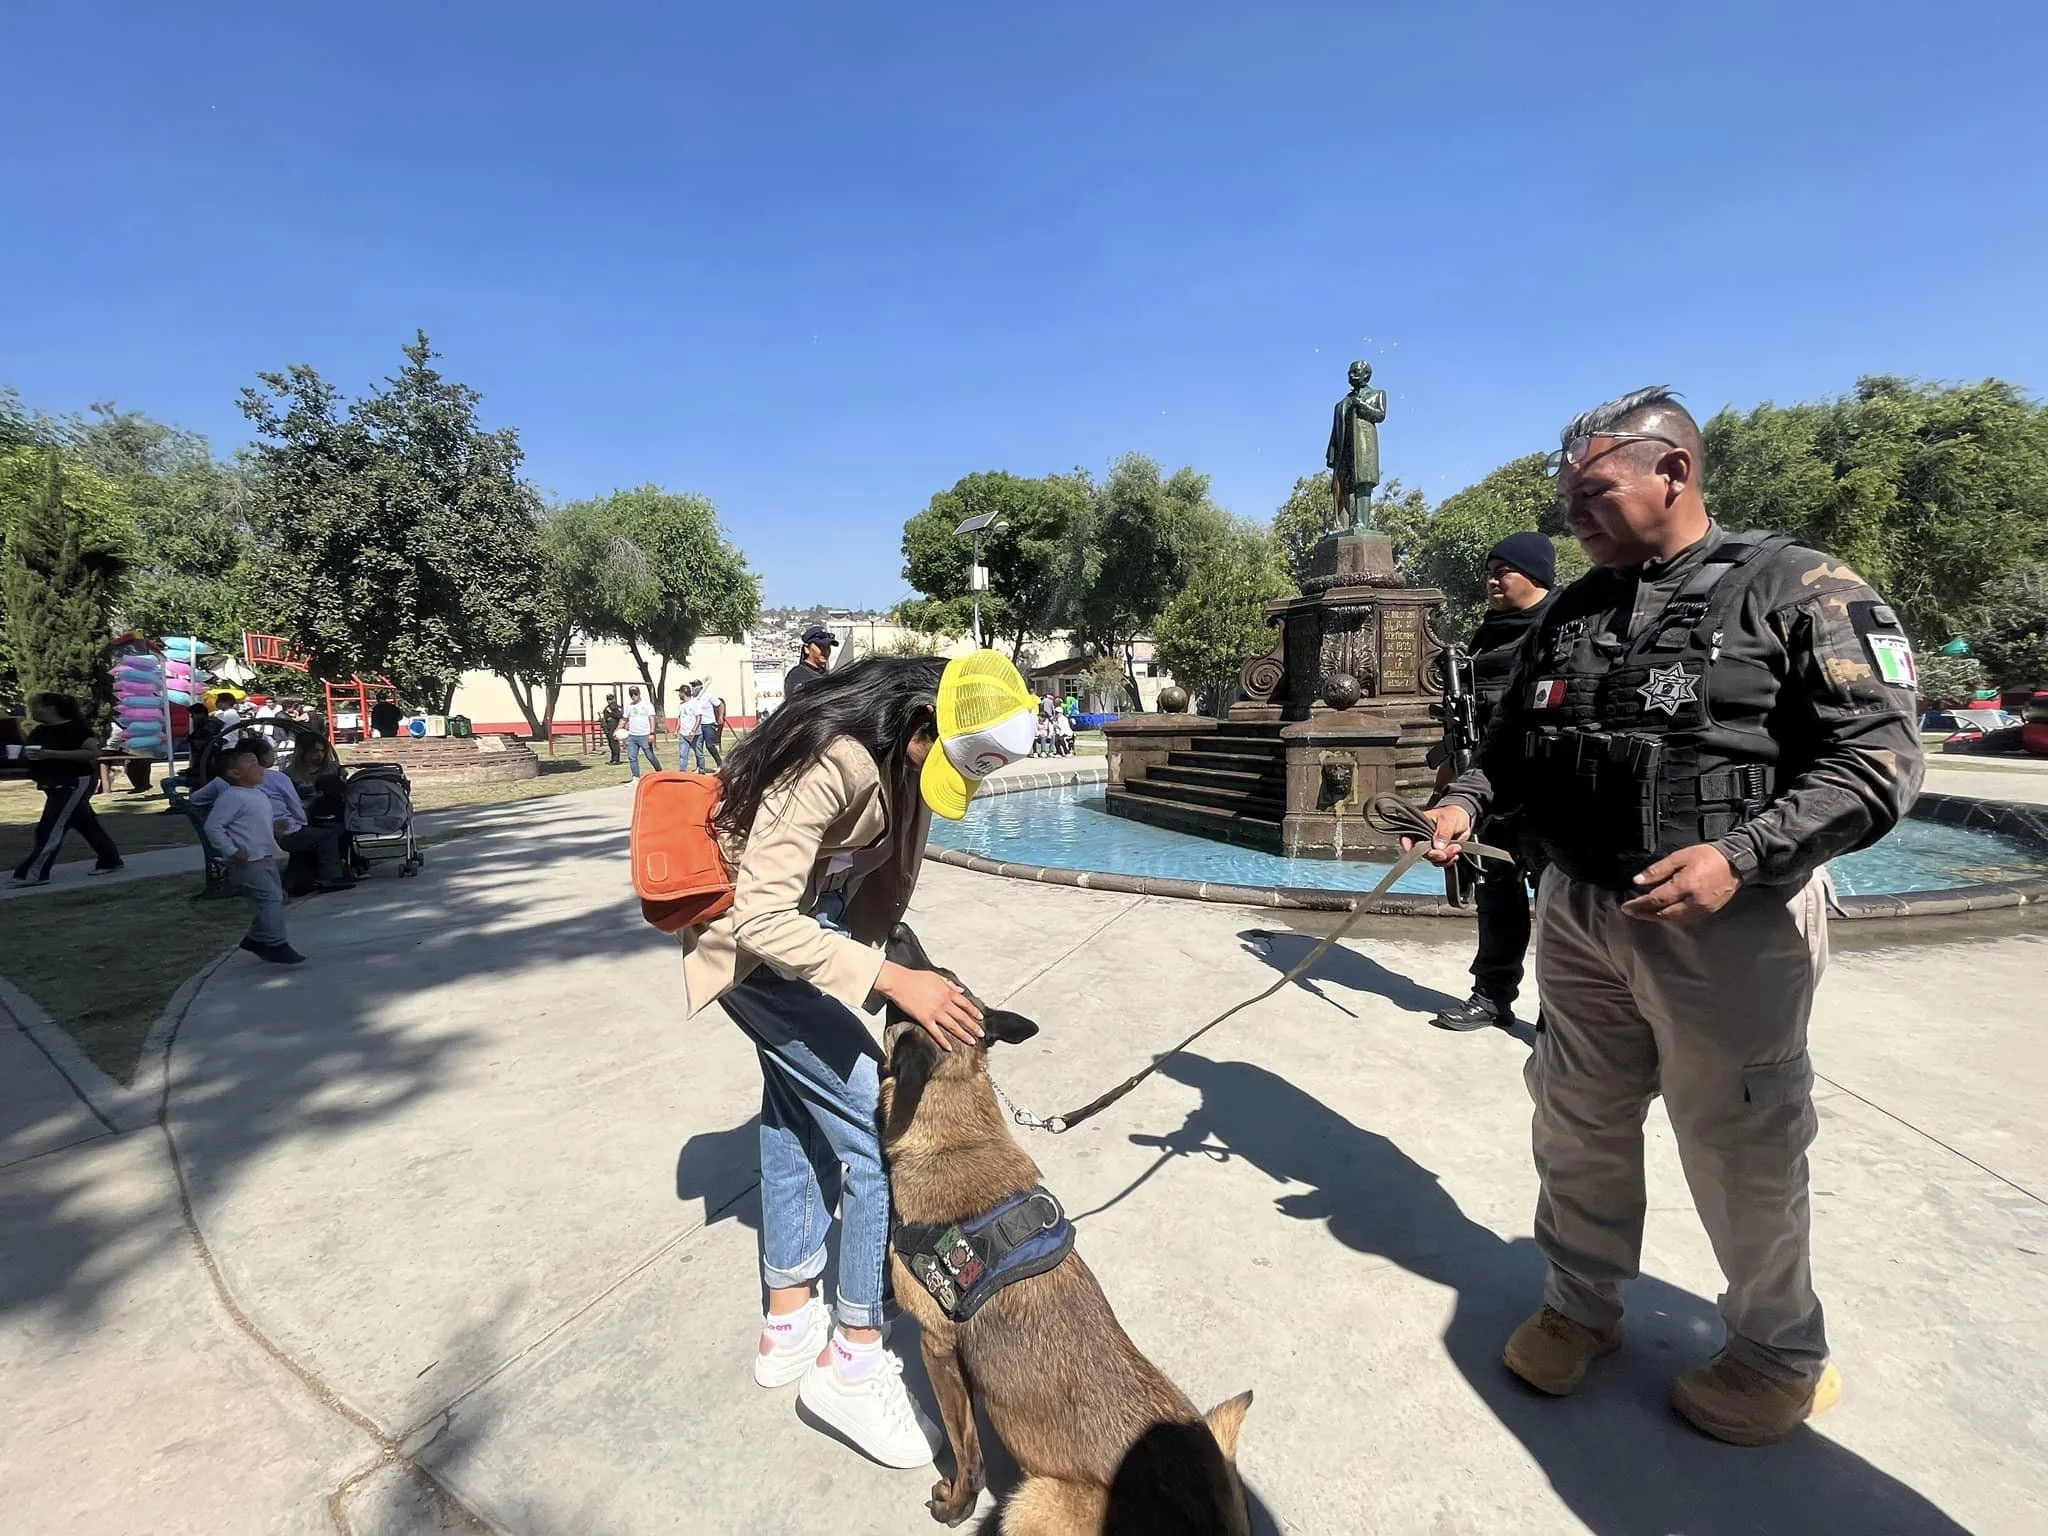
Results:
[1531, 554]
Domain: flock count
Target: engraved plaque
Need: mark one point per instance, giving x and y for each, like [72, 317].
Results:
[1401, 649]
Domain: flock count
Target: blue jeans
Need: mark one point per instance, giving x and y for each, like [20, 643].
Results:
[261, 883]
[821, 1144]
[636, 748]
[705, 744]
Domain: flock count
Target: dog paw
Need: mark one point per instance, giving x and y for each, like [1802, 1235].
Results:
[950, 1505]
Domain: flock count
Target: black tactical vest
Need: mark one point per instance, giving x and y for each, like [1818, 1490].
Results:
[1637, 748]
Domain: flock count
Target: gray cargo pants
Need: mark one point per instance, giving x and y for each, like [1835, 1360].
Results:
[1712, 1015]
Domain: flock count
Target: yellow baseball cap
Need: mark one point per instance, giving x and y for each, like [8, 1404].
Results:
[987, 718]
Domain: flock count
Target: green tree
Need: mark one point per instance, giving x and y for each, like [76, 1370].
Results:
[195, 568]
[399, 536]
[1022, 551]
[651, 569]
[1139, 542]
[2008, 628]
[1929, 491]
[1949, 679]
[1218, 620]
[104, 526]
[59, 583]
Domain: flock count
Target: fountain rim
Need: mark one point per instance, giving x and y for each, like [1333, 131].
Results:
[2029, 823]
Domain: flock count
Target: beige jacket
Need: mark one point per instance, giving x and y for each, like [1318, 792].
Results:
[841, 805]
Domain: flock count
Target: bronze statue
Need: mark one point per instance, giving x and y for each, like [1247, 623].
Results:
[1354, 452]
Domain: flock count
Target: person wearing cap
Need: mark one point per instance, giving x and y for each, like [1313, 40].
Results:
[815, 662]
[823, 813]
[1521, 571]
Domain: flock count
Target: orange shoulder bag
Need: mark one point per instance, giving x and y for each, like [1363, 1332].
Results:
[679, 870]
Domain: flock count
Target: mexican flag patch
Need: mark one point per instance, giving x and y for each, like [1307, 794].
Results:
[1549, 694]
[1894, 657]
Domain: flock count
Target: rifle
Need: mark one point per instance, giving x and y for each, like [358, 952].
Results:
[1457, 709]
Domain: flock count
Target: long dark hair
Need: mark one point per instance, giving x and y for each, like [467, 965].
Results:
[880, 702]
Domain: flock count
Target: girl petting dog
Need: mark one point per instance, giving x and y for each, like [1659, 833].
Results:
[823, 814]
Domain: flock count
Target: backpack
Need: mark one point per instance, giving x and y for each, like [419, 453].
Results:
[679, 871]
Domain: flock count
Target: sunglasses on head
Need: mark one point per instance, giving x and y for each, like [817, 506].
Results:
[1574, 452]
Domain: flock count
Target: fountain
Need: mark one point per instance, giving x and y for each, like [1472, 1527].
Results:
[1335, 713]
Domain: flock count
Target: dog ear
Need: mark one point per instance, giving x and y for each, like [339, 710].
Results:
[905, 948]
[1010, 1028]
[911, 1061]
[1225, 1420]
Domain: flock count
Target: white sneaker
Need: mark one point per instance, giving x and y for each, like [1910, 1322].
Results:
[877, 1414]
[785, 1362]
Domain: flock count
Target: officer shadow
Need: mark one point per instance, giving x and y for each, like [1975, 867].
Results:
[1344, 967]
[1616, 1454]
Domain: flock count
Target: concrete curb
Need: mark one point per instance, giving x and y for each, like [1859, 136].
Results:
[2026, 822]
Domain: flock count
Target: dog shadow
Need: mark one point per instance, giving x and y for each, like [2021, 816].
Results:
[1345, 967]
[1616, 1454]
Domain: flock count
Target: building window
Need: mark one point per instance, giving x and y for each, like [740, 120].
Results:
[578, 654]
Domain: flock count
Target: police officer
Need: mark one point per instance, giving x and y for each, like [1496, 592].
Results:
[1521, 570]
[1691, 732]
[813, 664]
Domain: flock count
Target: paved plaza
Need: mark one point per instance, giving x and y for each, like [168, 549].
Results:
[472, 1209]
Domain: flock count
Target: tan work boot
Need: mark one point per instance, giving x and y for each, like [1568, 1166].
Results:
[1551, 1351]
[1739, 1404]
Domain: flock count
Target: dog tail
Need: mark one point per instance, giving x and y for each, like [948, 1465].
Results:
[1225, 1420]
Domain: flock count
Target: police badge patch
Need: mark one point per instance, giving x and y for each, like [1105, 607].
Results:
[1668, 688]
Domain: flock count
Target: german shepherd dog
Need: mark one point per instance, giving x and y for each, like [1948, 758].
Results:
[1106, 1443]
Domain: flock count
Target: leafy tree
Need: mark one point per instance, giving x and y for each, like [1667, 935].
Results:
[400, 537]
[59, 581]
[671, 577]
[1022, 552]
[1300, 522]
[105, 533]
[2008, 628]
[1949, 679]
[195, 569]
[1218, 619]
[1930, 491]
[1138, 544]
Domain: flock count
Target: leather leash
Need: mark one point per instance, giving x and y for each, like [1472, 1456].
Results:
[1388, 814]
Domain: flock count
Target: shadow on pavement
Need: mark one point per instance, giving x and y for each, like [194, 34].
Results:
[273, 1057]
[1346, 968]
[1616, 1455]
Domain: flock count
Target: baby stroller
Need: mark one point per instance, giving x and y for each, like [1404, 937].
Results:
[377, 815]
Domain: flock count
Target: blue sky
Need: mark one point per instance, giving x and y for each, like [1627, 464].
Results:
[818, 262]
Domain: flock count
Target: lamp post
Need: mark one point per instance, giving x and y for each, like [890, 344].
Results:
[977, 577]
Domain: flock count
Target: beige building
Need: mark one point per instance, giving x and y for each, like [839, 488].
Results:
[747, 673]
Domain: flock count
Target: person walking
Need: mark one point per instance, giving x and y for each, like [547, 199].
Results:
[826, 809]
[813, 663]
[612, 718]
[63, 757]
[1691, 731]
[385, 716]
[242, 824]
[1521, 570]
[710, 725]
[639, 733]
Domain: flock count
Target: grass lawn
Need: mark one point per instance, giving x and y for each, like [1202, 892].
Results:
[565, 774]
[103, 962]
[135, 822]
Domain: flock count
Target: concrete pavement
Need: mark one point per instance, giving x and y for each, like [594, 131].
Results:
[487, 1205]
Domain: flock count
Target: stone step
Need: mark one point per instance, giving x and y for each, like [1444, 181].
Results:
[1203, 821]
[1248, 780]
[1270, 806]
[1265, 751]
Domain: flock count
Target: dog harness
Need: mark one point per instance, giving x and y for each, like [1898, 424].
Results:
[963, 1263]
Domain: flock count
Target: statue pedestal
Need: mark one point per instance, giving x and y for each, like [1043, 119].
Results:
[1380, 635]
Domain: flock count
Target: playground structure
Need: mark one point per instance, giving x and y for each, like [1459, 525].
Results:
[348, 701]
